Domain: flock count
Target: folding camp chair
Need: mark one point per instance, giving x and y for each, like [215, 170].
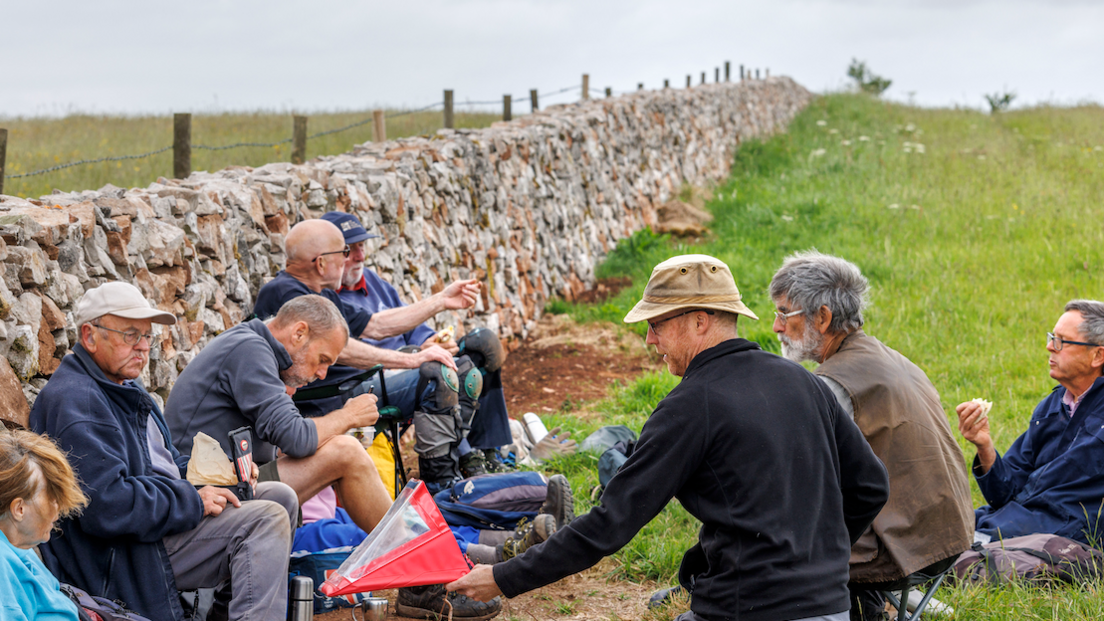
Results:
[900, 598]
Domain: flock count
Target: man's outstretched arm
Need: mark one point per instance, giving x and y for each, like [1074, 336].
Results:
[361, 355]
[459, 295]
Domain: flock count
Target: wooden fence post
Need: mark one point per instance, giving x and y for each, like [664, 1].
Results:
[728, 71]
[717, 74]
[688, 83]
[703, 77]
[182, 145]
[299, 140]
[448, 109]
[379, 124]
[3, 155]
[507, 113]
[756, 74]
[768, 73]
[533, 99]
[666, 83]
[741, 73]
[639, 86]
[586, 86]
[609, 92]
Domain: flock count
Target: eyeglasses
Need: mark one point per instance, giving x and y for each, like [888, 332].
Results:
[1058, 342]
[782, 317]
[344, 252]
[131, 336]
[654, 325]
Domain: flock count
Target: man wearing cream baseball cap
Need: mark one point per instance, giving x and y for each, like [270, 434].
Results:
[147, 531]
[751, 444]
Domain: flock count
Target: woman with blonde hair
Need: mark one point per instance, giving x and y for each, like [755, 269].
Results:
[37, 486]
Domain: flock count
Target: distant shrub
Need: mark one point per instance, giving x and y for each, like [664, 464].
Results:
[999, 102]
[865, 78]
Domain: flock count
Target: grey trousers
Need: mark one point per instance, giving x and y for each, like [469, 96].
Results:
[839, 616]
[247, 545]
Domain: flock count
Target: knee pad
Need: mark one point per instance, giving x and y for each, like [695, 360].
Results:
[471, 380]
[446, 384]
[484, 348]
[471, 386]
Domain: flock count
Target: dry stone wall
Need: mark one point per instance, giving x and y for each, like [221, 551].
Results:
[528, 206]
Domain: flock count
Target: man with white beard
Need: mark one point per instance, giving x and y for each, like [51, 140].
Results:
[929, 519]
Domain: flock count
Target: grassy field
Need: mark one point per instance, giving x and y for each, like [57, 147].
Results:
[39, 143]
[974, 231]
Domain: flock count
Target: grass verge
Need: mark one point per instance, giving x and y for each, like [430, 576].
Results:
[973, 229]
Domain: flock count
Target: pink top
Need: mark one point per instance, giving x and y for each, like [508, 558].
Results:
[1072, 403]
[322, 506]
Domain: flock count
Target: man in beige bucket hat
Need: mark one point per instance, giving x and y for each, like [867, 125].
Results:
[751, 444]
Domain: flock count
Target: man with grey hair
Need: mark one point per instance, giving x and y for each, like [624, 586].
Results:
[246, 376]
[147, 531]
[928, 520]
[1049, 480]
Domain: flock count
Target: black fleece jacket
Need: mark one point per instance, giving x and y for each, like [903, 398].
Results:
[755, 447]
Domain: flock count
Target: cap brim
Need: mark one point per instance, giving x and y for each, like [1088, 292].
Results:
[153, 315]
[359, 238]
[644, 311]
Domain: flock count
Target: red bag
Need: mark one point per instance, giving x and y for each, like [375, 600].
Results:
[411, 546]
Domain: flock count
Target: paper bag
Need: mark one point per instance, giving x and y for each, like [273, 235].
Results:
[209, 464]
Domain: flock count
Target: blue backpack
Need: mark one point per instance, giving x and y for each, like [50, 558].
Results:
[493, 501]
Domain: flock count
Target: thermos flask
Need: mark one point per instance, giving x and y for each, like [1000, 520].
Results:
[301, 602]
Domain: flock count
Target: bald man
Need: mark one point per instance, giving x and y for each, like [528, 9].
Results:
[316, 252]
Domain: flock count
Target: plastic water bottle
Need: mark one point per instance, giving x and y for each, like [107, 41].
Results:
[534, 427]
[301, 602]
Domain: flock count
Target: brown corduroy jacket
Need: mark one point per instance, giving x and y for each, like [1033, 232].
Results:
[929, 516]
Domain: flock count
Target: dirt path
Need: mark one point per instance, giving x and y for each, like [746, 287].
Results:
[565, 361]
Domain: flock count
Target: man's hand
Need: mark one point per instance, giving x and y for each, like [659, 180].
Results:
[461, 294]
[254, 474]
[451, 347]
[478, 584]
[361, 410]
[215, 499]
[973, 424]
[431, 353]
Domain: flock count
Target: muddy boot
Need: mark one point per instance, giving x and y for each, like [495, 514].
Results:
[428, 602]
[526, 535]
[559, 502]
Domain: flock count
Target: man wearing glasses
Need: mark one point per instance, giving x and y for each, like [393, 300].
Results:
[928, 520]
[1051, 480]
[147, 531]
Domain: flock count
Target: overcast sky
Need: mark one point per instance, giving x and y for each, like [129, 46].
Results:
[113, 56]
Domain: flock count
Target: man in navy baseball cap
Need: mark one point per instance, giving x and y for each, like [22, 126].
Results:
[443, 453]
[350, 226]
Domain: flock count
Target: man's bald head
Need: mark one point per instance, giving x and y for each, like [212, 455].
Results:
[310, 238]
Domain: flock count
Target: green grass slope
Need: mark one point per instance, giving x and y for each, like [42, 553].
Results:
[974, 231]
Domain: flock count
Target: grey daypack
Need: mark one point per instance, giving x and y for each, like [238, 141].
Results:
[1035, 558]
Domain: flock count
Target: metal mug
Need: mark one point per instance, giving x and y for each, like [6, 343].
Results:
[371, 609]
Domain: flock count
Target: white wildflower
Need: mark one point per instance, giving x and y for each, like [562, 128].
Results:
[919, 147]
[864, 138]
[981, 157]
[1098, 148]
[917, 207]
[818, 152]
[910, 128]
[845, 143]
[894, 206]
[833, 131]
[821, 123]
[787, 218]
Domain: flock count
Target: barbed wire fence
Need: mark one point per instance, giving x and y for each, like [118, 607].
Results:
[182, 145]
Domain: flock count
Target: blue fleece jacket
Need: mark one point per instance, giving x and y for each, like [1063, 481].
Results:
[1051, 480]
[114, 548]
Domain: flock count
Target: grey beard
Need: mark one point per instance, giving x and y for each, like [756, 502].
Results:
[805, 349]
[348, 279]
[290, 375]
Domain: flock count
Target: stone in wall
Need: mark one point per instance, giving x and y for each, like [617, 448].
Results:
[529, 207]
